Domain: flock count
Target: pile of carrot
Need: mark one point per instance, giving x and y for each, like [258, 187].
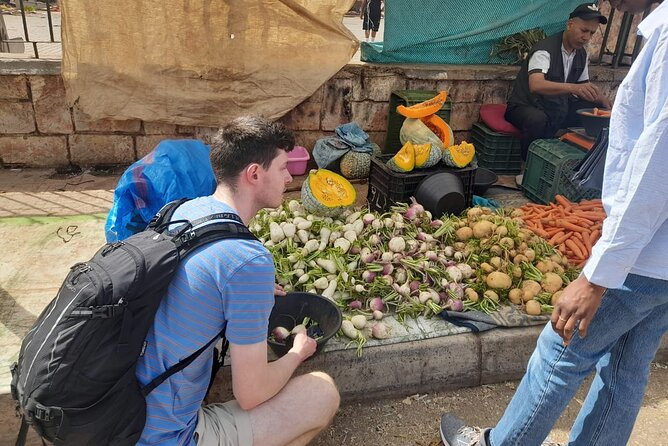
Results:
[572, 228]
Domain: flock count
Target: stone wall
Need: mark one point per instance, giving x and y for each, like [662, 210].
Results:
[38, 129]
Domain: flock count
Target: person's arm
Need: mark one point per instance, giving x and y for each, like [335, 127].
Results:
[255, 380]
[362, 9]
[539, 85]
[638, 207]
[539, 65]
[248, 297]
[601, 99]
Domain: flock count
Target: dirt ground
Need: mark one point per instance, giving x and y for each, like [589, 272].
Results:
[414, 421]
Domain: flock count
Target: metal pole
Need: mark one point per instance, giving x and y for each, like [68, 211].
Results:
[624, 29]
[604, 44]
[48, 16]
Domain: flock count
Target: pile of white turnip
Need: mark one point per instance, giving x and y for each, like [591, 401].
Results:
[407, 263]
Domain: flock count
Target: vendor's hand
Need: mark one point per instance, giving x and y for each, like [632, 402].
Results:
[303, 345]
[605, 102]
[576, 308]
[278, 290]
[586, 91]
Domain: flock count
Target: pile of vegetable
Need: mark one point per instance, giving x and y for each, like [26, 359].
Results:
[410, 264]
[572, 228]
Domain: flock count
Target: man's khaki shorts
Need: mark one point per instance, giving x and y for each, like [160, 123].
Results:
[224, 424]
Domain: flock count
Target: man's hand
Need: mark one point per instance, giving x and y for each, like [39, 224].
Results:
[278, 290]
[576, 308]
[303, 345]
[586, 91]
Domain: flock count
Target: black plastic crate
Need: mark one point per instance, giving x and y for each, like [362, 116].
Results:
[549, 163]
[496, 151]
[395, 120]
[387, 187]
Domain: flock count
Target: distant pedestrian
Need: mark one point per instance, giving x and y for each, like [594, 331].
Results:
[612, 318]
[370, 15]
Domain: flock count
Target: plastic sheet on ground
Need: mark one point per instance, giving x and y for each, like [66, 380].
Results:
[200, 62]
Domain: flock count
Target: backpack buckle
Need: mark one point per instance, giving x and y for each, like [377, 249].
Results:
[43, 413]
[187, 237]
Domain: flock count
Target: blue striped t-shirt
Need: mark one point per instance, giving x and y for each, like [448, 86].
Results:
[226, 281]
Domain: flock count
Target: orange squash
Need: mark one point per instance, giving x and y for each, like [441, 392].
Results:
[440, 129]
[426, 108]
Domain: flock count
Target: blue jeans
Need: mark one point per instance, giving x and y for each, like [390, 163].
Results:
[621, 342]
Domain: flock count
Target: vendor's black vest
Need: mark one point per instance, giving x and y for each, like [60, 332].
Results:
[556, 107]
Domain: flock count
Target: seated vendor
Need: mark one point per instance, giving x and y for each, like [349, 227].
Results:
[554, 81]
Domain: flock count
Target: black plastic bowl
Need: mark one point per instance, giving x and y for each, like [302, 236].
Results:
[291, 309]
[484, 178]
[591, 123]
[441, 193]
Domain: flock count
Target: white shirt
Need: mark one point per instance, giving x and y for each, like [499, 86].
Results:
[540, 60]
[635, 234]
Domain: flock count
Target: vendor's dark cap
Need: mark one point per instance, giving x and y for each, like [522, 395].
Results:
[588, 11]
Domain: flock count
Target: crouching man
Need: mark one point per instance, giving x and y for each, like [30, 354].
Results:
[230, 283]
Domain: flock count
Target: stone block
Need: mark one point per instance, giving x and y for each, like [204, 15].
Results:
[377, 137]
[34, 151]
[147, 143]
[305, 116]
[465, 91]
[464, 115]
[431, 72]
[186, 129]
[158, 128]
[408, 367]
[14, 87]
[317, 95]
[462, 135]
[205, 134]
[495, 92]
[101, 150]
[377, 87]
[307, 138]
[83, 123]
[16, 117]
[421, 84]
[51, 110]
[505, 353]
[337, 108]
[371, 116]
[405, 368]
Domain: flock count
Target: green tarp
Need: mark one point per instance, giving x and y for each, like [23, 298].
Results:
[459, 32]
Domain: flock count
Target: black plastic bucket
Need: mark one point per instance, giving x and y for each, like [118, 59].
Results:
[291, 309]
[441, 193]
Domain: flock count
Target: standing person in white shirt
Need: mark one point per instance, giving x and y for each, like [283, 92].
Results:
[610, 319]
[553, 82]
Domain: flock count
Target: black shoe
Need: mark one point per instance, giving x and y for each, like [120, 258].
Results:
[454, 432]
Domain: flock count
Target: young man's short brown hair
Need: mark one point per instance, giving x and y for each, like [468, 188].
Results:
[244, 141]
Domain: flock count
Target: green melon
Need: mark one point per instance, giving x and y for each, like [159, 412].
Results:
[327, 194]
[355, 165]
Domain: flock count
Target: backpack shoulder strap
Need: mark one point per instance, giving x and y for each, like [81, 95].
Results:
[191, 239]
[148, 388]
[187, 242]
[165, 214]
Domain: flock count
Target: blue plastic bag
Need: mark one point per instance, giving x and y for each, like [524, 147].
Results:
[175, 169]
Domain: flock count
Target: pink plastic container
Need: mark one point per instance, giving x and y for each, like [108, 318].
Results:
[298, 159]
